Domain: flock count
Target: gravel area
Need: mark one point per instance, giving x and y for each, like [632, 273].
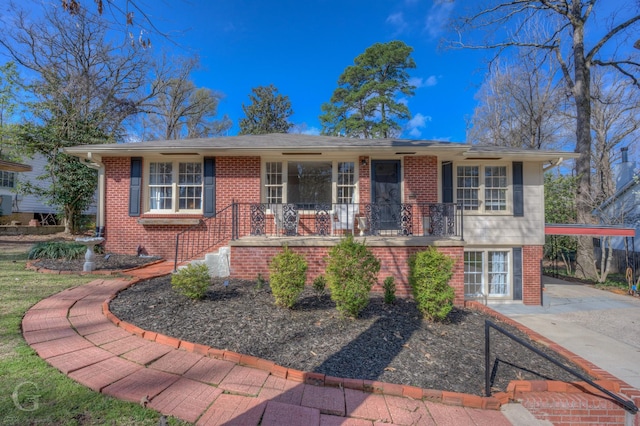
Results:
[389, 343]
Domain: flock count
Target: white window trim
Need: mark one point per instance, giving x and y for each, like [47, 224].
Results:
[481, 189]
[485, 272]
[334, 174]
[175, 197]
[9, 173]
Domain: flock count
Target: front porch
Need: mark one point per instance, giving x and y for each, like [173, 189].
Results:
[256, 232]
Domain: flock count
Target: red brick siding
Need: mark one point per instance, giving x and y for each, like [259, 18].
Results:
[248, 262]
[237, 178]
[364, 180]
[421, 179]
[531, 284]
[573, 408]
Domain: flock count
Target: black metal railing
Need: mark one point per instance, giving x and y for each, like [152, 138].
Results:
[288, 220]
[210, 232]
[490, 373]
[405, 219]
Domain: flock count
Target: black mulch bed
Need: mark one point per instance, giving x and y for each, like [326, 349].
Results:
[109, 261]
[389, 343]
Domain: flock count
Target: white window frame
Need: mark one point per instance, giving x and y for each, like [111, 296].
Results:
[284, 178]
[486, 275]
[174, 186]
[8, 177]
[482, 188]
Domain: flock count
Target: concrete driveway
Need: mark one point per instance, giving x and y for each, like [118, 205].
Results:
[600, 326]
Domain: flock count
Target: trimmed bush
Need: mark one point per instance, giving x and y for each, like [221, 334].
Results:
[389, 286]
[352, 270]
[57, 250]
[192, 281]
[429, 275]
[287, 275]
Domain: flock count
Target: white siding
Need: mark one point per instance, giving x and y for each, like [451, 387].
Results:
[31, 203]
[506, 230]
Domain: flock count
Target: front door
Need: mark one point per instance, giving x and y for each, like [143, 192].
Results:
[386, 193]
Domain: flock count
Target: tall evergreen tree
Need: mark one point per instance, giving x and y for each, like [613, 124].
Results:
[366, 103]
[268, 112]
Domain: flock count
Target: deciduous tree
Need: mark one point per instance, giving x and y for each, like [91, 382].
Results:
[520, 104]
[579, 35]
[180, 109]
[81, 88]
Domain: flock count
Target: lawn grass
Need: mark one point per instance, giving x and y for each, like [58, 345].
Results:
[31, 391]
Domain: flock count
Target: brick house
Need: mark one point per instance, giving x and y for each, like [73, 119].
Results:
[251, 194]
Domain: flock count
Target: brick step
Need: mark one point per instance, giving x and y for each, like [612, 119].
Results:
[562, 408]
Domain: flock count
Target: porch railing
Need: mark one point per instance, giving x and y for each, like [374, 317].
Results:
[406, 219]
[298, 220]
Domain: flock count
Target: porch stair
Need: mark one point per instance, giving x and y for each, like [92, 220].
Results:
[218, 262]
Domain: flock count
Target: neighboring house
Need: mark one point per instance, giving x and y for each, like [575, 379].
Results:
[27, 207]
[8, 181]
[484, 206]
[622, 209]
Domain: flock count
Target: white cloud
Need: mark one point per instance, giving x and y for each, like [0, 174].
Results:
[438, 17]
[397, 20]
[419, 82]
[417, 124]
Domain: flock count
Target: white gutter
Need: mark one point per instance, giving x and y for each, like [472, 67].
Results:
[96, 163]
[553, 164]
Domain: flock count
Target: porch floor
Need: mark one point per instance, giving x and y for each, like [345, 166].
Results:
[328, 241]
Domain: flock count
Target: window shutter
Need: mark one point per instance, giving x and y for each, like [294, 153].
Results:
[518, 190]
[447, 182]
[517, 273]
[209, 192]
[135, 182]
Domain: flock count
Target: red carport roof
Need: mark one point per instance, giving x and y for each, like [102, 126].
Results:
[578, 229]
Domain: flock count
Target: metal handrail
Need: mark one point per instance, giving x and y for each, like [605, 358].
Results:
[626, 404]
[202, 242]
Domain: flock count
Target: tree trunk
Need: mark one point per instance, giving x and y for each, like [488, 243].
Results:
[585, 259]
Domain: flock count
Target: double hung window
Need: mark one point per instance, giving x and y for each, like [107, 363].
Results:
[482, 188]
[7, 179]
[175, 186]
[487, 273]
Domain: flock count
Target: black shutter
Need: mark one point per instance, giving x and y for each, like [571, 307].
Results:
[518, 190]
[209, 193]
[517, 273]
[135, 183]
[447, 182]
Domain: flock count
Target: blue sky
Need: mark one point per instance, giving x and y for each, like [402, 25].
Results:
[302, 47]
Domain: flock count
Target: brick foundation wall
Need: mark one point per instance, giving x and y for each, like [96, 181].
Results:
[531, 279]
[248, 262]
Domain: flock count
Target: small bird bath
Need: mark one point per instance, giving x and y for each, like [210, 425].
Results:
[89, 256]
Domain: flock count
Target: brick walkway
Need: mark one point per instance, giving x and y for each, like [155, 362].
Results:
[209, 387]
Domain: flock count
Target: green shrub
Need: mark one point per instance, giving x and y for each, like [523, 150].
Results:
[389, 290]
[192, 281]
[429, 275]
[57, 250]
[352, 270]
[319, 285]
[287, 275]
